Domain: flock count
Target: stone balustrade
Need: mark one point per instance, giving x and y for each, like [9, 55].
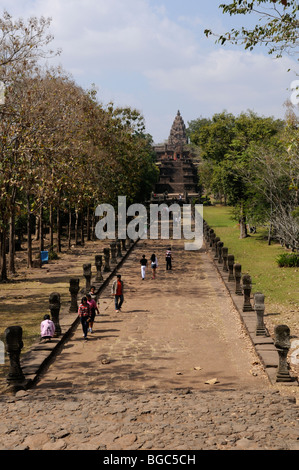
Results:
[267, 347]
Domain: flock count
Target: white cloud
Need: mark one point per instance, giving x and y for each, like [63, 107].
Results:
[138, 56]
[116, 34]
[229, 79]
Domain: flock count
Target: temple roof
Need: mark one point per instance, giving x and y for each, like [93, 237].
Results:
[178, 137]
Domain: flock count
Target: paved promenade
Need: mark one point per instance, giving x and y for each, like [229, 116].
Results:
[174, 370]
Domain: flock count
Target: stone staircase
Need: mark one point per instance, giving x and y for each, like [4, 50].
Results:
[177, 177]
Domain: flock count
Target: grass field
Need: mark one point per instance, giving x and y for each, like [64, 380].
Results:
[279, 285]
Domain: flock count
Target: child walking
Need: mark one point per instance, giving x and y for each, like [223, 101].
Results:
[84, 314]
[93, 309]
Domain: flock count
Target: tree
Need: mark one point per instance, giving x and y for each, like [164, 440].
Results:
[277, 27]
[225, 142]
[23, 43]
[273, 175]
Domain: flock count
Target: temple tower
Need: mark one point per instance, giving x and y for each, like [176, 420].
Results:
[177, 138]
[178, 174]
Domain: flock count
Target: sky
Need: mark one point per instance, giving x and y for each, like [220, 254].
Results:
[153, 56]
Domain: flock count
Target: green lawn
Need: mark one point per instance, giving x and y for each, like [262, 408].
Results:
[279, 285]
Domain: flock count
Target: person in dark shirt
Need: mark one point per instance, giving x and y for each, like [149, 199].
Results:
[143, 263]
[84, 314]
[168, 258]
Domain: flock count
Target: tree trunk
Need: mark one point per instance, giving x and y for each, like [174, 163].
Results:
[92, 226]
[11, 259]
[76, 227]
[270, 226]
[269, 234]
[88, 224]
[3, 275]
[70, 229]
[41, 228]
[51, 228]
[58, 229]
[243, 226]
[82, 227]
[37, 227]
[29, 238]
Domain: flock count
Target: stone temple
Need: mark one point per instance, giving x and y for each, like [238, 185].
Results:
[178, 175]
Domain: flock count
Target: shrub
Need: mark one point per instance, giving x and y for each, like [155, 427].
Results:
[288, 260]
[53, 255]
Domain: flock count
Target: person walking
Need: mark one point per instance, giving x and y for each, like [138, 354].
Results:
[154, 265]
[168, 258]
[93, 293]
[143, 263]
[84, 314]
[47, 328]
[93, 309]
[118, 292]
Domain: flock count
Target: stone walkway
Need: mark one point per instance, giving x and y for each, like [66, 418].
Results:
[174, 370]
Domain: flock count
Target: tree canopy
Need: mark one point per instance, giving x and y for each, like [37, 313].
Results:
[251, 163]
[277, 26]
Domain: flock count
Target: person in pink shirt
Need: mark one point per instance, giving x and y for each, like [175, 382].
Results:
[47, 328]
[93, 308]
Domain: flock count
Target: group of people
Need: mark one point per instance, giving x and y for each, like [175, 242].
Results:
[154, 263]
[87, 311]
[88, 307]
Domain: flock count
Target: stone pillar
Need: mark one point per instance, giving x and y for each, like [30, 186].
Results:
[238, 275]
[14, 345]
[225, 255]
[212, 239]
[206, 230]
[208, 234]
[259, 307]
[220, 247]
[123, 244]
[128, 243]
[87, 275]
[215, 246]
[113, 252]
[118, 246]
[54, 306]
[211, 236]
[231, 262]
[282, 343]
[74, 289]
[98, 264]
[246, 282]
[107, 260]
